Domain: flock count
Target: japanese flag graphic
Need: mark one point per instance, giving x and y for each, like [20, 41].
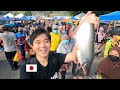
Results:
[31, 68]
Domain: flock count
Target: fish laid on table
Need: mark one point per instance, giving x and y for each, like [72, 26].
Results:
[84, 37]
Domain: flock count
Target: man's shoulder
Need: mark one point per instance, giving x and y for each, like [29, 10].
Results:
[57, 55]
[17, 33]
[11, 33]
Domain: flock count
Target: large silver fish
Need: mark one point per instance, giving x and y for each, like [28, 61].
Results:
[84, 36]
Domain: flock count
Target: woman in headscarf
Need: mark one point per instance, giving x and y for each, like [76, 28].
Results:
[101, 35]
[109, 68]
[64, 48]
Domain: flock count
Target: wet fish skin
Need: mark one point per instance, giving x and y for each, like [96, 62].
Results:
[85, 40]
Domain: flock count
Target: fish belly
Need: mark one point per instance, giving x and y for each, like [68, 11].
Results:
[85, 40]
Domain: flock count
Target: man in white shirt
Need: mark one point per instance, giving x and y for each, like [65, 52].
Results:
[10, 46]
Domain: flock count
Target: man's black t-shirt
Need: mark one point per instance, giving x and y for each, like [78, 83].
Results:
[55, 61]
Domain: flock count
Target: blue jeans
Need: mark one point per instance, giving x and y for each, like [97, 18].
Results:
[22, 50]
[67, 32]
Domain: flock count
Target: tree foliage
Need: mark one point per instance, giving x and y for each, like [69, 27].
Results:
[3, 12]
[27, 13]
[98, 13]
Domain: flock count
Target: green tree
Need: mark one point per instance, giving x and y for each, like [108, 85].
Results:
[27, 13]
[4, 12]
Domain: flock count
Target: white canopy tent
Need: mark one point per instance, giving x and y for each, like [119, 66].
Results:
[9, 15]
[67, 17]
[79, 16]
[19, 15]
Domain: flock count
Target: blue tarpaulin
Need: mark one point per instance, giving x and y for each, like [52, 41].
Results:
[73, 18]
[58, 18]
[5, 18]
[23, 18]
[9, 25]
[31, 17]
[110, 16]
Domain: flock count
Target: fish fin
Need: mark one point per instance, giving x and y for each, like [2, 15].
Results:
[80, 67]
[85, 70]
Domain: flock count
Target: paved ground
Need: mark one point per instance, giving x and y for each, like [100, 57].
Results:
[7, 73]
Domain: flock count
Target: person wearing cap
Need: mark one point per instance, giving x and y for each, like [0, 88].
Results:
[114, 41]
[55, 38]
[10, 45]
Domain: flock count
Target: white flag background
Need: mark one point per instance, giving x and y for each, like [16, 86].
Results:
[31, 68]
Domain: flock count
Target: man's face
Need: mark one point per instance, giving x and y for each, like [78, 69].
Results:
[19, 29]
[60, 28]
[114, 53]
[41, 46]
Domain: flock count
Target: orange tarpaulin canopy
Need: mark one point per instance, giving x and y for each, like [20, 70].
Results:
[68, 20]
[76, 22]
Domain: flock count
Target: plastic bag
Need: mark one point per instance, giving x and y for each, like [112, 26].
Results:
[16, 59]
[20, 56]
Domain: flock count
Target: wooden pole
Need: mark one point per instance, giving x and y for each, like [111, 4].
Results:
[109, 25]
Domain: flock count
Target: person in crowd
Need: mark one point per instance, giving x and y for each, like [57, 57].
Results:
[10, 46]
[1, 44]
[21, 41]
[64, 48]
[73, 43]
[109, 67]
[25, 31]
[29, 50]
[67, 28]
[101, 35]
[49, 29]
[60, 29]
[55, 38]
[98, 49]
[114, 41]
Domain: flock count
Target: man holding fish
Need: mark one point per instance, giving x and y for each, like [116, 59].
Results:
[49, 64]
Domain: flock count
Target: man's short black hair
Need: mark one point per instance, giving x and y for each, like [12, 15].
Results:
[6, 28]
[37, 32]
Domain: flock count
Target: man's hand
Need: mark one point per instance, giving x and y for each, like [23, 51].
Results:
[90, 18]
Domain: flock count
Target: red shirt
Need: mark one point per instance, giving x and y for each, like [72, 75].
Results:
[67, 27]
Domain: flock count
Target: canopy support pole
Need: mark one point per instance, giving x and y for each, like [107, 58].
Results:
[114, 24]
[109, 26]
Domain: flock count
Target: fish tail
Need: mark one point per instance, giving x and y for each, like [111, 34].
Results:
[85, 72]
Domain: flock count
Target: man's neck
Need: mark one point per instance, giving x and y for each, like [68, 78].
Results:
[5, 31]
[42, 60]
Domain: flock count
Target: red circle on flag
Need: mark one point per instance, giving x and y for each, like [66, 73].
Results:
[31, 67]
